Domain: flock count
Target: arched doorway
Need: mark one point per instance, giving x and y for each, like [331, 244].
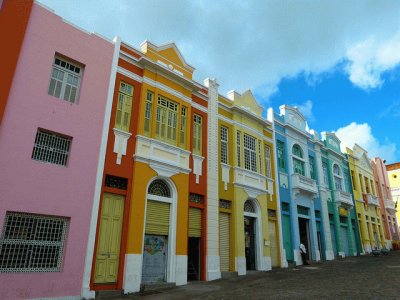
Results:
[252, 233]
[160, 231]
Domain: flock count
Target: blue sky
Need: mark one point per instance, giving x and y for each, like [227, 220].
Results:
[337, 60]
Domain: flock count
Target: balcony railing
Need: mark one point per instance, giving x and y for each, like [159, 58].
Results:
[304, 184]
[343, 198]
[390, 206]
[253, 181]
[372, 200]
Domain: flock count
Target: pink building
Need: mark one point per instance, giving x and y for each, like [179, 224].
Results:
[386, 203]
[51, 141]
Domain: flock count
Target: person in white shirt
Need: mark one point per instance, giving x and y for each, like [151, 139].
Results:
[303, 252]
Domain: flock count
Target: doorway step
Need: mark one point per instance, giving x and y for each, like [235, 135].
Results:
[227, 275]
[107, 294]
[150, 288]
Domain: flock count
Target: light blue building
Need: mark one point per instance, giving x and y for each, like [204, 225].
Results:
[304, 216]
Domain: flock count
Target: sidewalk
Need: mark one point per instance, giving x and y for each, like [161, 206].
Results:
[364, 277]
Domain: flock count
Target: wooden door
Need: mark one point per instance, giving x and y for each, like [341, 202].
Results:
[109, 239]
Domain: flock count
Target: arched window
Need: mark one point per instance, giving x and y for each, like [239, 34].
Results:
[298, 162]
[249, 207]
[337, 175]
[159, 188]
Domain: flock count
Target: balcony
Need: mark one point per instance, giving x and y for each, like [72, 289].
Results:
[390, 206]
[253, 183]
[303, 184]
[344, 199]
[372, 200]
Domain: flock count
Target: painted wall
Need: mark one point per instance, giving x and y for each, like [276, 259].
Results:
[41, 188]
[13, 14]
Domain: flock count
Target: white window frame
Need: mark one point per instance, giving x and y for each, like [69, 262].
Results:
[65, 77]
[337, 177]
[267, 150]
[250, 152]
[224, 145]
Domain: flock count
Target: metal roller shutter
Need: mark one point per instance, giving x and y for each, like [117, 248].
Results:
[224, 249]
[157, 218]
[194, 222]
[334, 249]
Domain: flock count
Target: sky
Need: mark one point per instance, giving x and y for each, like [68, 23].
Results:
[338, 61]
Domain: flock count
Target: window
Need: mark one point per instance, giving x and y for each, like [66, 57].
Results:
[238, 148]
[183, 126]
[197, 132]
[361, 183]
[159, 188]
[337, 175]
[65, 80]
[325, 171]
[346, 182]
[366, 185]
[32, 243]
[260, 157]
[147, 113]
[249, 144]
[353, 180]
[311, 162]
[267, 150]
[166, 120]
[116, 182]
[124, 107]
[298, 163]
[372, 187]
[224, 145]
[281, 155]
[51, 147]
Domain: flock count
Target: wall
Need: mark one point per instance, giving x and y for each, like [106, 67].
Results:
[41, 188]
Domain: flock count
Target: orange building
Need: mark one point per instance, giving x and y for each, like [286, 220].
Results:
[15, 15]
[152, 210]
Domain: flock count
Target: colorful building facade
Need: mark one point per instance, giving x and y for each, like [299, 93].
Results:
[155, 175]
[391, 183]
[50, 138]
[304, 215]
[366, 199]
[336, 191]
[249, 231]
[15, 15]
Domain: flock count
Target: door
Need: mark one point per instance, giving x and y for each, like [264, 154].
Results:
[224, 241]
[249, 242]
[273, 243]
[109, 241]
[344, 236]
[304, 236]
[155, 248]
[194, 243]
[333, 237]
[319, 240]
[287, 241]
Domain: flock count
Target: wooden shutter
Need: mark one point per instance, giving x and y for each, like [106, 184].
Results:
[194, 222]
[157, 218]
[224, 240]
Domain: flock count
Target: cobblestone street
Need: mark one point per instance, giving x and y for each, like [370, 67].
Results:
[364, 277]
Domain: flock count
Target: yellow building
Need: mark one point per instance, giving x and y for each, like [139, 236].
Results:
[393, 171]
[366, 199]
[249, 231]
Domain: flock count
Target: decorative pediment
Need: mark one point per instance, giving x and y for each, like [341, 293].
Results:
[169, 56]
[331, 141]
[294, 117]
[362, 156]
[246, 101]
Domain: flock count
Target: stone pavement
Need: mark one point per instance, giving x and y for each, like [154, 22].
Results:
[363, 277]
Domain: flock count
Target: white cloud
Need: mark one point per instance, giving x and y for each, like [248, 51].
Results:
[369, 59]
[254, 44]
[306, 110]
[362, 135]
